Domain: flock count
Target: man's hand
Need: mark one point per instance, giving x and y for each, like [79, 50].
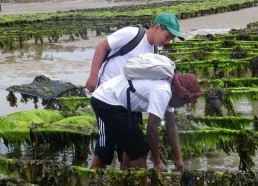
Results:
[91, 83]
[180, 165]
[101, 49]
[161, 167]
[173, 138]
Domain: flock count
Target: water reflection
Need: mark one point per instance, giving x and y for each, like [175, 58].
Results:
[46, 53]
[34, 151]
[216, 161]
[19, 67]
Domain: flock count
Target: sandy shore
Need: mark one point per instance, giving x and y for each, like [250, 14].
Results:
[62, 5]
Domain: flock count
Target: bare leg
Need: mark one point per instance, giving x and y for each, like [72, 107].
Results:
[126, 162]
[139, 163]
[96, 162]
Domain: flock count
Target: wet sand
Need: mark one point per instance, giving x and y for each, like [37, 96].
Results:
[75, 68]
[62, 5]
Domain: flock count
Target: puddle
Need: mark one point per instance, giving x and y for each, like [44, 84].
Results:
[47, 53]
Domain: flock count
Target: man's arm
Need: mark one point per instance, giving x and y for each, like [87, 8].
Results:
[153, 140]
[173, 138]
[100, 52]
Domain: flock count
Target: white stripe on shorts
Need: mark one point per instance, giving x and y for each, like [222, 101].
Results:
[102, 136]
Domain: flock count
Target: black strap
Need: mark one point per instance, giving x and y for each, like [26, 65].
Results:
[155, 49]
[129, 46]
[128, 90]
[138, 115]
[125, 49]
[131, 88]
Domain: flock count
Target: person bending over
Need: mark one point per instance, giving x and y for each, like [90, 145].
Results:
[109, 102]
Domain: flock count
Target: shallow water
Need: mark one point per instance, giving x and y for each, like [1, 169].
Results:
[217, 161]
[21, 67]
[73, 64]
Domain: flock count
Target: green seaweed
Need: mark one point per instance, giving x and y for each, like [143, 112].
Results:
[229, 122]
[85, 125]
[229, 83]
[16, 126]
[75, 175]
[72, 103]
[197, 140]
[21, 28]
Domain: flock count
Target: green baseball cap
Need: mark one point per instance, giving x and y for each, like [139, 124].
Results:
[171, 23]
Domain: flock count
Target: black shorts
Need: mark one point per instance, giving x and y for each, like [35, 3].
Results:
[106, 144]
[131, 140]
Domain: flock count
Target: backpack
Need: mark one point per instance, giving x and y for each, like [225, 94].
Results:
[149, 66]
[146, 66]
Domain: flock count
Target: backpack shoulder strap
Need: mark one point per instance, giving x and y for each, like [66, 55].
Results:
[126, 48]
[134, 42]
[130, 45]
[129, 112]
[156, 50]
[128, 90]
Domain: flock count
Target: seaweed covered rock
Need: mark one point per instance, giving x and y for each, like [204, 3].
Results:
[254, 64]
[16, 126]
[47, 88]
[238, 53]
[228, 44]
[215, 99]
[85, 125]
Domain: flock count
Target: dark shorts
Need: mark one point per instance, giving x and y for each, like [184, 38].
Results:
[106, 144]
[131, 140]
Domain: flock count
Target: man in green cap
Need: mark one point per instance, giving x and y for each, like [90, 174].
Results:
[169, 22]
[165, 28]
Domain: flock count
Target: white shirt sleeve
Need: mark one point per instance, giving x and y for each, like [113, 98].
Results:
[170, 109]
[158, 102]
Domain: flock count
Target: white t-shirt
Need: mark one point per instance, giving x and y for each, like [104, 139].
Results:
[157, 92]
[117, 40]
